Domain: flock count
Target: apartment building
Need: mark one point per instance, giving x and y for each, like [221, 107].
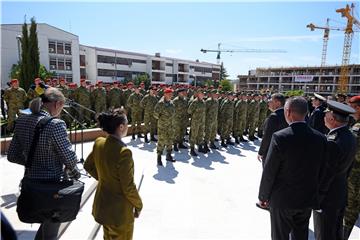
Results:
[61, 52]
[323, 80]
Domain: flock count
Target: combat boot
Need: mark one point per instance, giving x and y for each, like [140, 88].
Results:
[252, 138]
[176, 149]
[192, 152]
[146, 138]
[140, 135]
[229, 142]
[237, 140]
[242, 139]
[201, 149]
[169, 157]
[133, 136]
[182, 146]
[223, 144]
[213, 146]
[152, 138]
[206, 148]
[159, 162]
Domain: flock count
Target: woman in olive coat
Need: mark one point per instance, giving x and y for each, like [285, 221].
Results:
[117, 200]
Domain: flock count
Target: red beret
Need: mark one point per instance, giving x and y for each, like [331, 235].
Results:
[130, 83]
[99, 81]
[168, 90]
[142, 83]
[82, 80]
[14, 80]
[355, 99]
[62, 80]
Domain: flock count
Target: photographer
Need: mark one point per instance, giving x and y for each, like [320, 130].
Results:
[53, 150]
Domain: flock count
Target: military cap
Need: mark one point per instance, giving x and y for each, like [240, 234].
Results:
[355, 99]
[339, 108]
[168, 90]
[130, 83]
[62, 80]
[181, 90]
[82, 80]
[99, 81]
[142, 84]
[14, 80]
[319, 97]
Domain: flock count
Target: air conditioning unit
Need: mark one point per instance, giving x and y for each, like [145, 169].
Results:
[68, 68]
[51, 50]
[67, 51]
[52, 67]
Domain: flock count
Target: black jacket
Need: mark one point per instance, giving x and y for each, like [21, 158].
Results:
[292, 171]
[316, 119]
[341, 151]
[273, 123]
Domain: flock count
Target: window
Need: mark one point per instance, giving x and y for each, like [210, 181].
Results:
[169, 64]
[69, 78]
[105, 59]
[52, 64]
[82, 60]
[106, 72]
[61, 65]
[128, 61]
[67, 48]
[52, 47]
[60, 48]
[68, 65]
[82, 73]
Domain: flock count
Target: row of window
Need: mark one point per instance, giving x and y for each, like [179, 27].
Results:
[59, 47]
[67, 77]
[118, 73]
[60, 64]
[118, 60]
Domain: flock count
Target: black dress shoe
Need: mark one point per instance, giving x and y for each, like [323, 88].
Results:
[263, 208]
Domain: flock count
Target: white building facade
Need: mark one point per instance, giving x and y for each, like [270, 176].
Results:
[59, 50]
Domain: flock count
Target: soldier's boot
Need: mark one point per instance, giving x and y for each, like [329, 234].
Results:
[229, 142]
[152, 138]
[192, 152]
[140, 135]
[260, 134]
[213, 146]
[347, 232]
[182, 146]
[252, 138]
[201, 149]
[159, 162]
[146, 138]
[176, 149]
[169, 157]
[133, 136]
[223, 144]
[237, 140]
[206, 148]
[242, 139]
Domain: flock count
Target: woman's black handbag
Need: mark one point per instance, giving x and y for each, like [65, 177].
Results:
[44, 200]
[41, 201]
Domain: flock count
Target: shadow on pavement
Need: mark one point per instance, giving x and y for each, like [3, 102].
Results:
[167, 173]
[182, 156]
[216, 156]
[247, 146]
[148, 147]
[203, 161]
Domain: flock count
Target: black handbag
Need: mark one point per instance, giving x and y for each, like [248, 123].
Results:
[44, 200]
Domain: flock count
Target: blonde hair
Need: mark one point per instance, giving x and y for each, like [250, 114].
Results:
[50, 95]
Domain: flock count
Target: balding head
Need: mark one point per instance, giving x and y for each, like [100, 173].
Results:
[296, 109]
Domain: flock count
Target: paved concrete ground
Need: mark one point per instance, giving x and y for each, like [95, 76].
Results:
[207, 197]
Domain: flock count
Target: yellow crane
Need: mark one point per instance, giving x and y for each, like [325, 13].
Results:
[348, 13]
[327, 29]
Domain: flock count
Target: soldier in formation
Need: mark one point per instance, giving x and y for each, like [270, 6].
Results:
[148, 104]
[181, 119]
[133, 104]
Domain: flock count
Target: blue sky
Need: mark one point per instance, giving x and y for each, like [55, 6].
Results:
[181, 29]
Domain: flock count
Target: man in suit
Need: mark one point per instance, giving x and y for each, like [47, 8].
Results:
[291, 175]
[333, 191]
[274, 122]
[316, 118]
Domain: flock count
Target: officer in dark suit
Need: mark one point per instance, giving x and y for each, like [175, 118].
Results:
[333, 191]
[291, 175]
[316, 118]
[274, 122]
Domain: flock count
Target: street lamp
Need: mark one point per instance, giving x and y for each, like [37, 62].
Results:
[18, 38]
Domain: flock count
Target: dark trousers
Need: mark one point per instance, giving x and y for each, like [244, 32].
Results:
[289, 221]
[328, 224]
[48, 231]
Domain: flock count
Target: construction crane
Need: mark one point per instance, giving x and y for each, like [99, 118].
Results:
[327, 29]
[249, 50]
[349, 32]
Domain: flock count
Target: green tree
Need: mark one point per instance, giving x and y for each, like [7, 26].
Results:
[143, 78]
[44, 73]
[25, 75]
[223, 72]
[293, 93]
[226, 85]
[34, 51]
[15, 71]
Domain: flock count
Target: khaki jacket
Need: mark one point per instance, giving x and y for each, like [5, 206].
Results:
[111, 163]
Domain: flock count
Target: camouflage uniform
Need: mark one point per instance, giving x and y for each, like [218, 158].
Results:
[181, 119]
[253, 117]
[164, 111]
[353, 205]
[241, 111]
[31, 94]
[219, 119]
[148, 103]
[263, 112]
[15, 99]
[211, 122]
[99, 99]
[227, 114]
[82, 97]
[197, 111]
[133, 103]
[125, 97]
[115, 97]
[67, 92]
